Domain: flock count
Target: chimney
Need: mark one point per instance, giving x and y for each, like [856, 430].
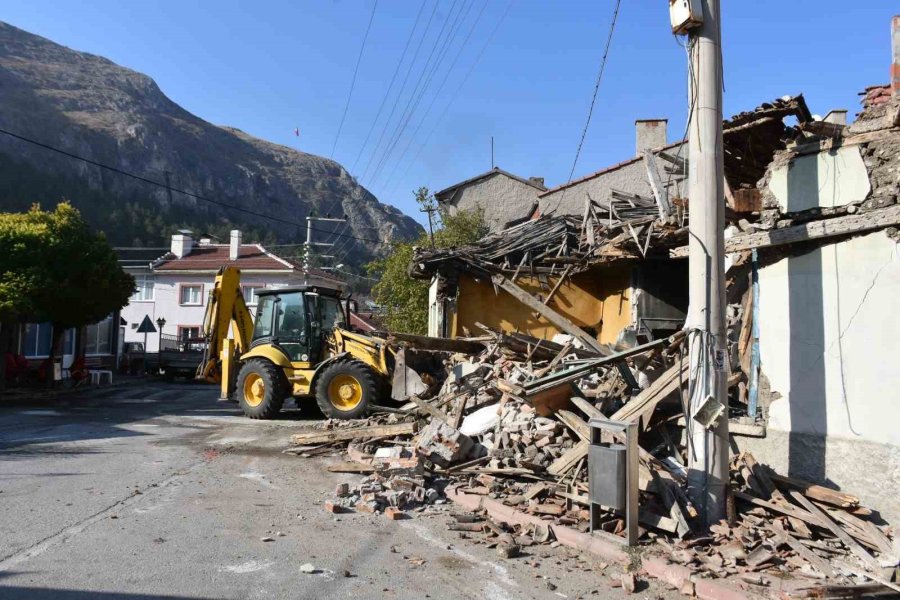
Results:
[537, 180]
[182, 244]
[837, 116]
[650, 134]
[234, 249]
[895, 62]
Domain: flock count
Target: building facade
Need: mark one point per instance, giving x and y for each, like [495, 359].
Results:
[175, 287]
[504, 198]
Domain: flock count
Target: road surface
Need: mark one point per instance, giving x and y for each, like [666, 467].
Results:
[153, 490]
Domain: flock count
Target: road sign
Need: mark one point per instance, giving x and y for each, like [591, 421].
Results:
[146, 326]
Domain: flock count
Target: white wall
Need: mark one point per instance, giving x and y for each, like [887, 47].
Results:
[830, 340]
[823, 179]
[166, 304]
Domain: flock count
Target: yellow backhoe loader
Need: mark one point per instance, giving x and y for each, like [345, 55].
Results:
[298, 345]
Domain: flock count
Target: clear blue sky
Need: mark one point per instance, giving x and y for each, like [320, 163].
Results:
[270, 66]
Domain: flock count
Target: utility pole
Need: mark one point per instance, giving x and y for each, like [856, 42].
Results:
[708, 448]
[429, 210]
[308, 245]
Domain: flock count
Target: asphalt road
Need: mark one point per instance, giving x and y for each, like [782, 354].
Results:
[154, 490]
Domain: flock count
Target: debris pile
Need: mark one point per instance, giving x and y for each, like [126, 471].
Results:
[512, 423]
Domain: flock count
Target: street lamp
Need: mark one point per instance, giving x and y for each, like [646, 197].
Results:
[161, 322]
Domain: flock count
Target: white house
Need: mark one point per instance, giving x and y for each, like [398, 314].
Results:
[176, 285]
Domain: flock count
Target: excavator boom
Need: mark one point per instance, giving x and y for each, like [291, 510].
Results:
[225, 309]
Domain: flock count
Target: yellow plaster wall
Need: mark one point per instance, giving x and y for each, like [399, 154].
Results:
[598, 299]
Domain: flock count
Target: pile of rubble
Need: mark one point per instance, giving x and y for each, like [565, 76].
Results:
[512, 424]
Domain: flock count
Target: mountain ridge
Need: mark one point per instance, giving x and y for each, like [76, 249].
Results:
[92, 107]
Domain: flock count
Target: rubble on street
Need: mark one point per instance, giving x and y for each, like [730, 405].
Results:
[512, 424]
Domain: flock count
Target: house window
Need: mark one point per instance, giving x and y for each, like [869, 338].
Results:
[188, 332]
[191, 294]
[69, 342]
[36, 339]
[98, 337]
[143, 288]
[250, 294]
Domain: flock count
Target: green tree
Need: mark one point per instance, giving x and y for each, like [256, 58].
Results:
[54, 268]
[404, 299]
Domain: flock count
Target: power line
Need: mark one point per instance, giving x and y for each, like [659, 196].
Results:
[437, 95]
[413, 105]
[353, 81]
[174, 189]
[459, 87]
[392, 139]
[442, 54]
[612, 28]
[402, 87]
[390, 86]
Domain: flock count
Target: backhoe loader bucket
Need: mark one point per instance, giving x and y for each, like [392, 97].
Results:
[416, 373]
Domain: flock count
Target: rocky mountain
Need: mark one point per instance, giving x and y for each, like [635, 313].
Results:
[94, 108]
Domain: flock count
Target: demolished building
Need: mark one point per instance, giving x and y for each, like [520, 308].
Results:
[813, 272]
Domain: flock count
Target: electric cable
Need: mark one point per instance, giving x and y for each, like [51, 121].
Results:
[612, 28]
[353, 81]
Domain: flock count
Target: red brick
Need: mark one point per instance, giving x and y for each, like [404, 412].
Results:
[333, 508]
[394, 514]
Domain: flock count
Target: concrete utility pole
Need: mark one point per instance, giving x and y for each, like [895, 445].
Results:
[308, 245]
[708, 447]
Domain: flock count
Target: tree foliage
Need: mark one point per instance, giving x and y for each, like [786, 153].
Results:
[404, 299]
[54, 268]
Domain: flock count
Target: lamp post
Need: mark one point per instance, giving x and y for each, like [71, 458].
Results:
[161, 322]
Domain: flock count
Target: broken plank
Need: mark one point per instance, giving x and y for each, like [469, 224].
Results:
[784, 537]
[353, 433]
[350, 467]
[549, 314]
[660, 192]
[573, 422]
[836, 529]
[855, 223]
[569, 458]
[784, 509]
[761, 478]
[645, 402]
[535, 490]
[816, 492]
[429, 409]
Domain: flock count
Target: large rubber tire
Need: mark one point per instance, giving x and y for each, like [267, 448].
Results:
[261, 389]
[346, 389]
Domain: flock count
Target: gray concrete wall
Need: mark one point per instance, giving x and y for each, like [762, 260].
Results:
[631, 177]
[502, 198]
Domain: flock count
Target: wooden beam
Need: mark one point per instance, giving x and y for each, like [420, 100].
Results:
[353, 433]
[645, 402]
[784, 537]
[660, 193]
[836, 529]
[825, 228]
[569, 458]
[548, 313]
[573, 422]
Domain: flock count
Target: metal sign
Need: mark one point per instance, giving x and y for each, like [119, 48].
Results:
[146, 326]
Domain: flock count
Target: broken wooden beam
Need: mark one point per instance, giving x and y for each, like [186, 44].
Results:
[824, 228]
[353, 433]
[548, 313]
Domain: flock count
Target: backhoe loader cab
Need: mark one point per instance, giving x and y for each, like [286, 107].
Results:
[298, 321]
[298, 344]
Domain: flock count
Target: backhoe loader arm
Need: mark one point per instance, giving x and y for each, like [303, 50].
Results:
[225, 308]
